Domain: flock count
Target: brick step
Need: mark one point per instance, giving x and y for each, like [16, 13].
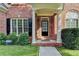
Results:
[47, 44]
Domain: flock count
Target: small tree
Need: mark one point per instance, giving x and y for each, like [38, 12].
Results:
[13, 37]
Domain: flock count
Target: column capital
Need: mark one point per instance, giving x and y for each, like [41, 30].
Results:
[59, 12]
[33, 9]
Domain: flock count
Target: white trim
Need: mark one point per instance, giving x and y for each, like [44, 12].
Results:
[71, 24]
[70, 16]
[33, 26]
[23, 25]
[59, 40]
[44, 17]
[26, 24]
[17, 24]
[10, 25]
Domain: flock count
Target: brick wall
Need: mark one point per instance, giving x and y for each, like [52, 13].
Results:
[15, 11]
[2, 22]
[24, 11]
[68, 7]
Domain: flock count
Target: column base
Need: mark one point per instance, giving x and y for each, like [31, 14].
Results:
[33, 40]
[59, 42]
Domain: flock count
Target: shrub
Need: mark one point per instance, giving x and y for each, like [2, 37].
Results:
[2, 38]
[23, 39]
[70, 38]
[13, 37]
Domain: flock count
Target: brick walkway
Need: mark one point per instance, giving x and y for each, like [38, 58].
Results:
[48, 51]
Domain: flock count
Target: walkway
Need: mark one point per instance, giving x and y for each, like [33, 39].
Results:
[48, 51]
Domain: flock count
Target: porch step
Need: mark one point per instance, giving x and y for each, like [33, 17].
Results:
[47, 44]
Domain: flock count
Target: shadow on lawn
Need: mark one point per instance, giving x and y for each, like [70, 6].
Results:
[63, 53]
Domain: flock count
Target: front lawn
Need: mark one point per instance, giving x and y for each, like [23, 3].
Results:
[17, 50]
[68, 52]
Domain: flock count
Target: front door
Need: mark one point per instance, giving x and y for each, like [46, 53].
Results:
[44, 27]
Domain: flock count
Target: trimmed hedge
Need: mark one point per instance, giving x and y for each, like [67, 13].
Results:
[23, 39]
[70, 38]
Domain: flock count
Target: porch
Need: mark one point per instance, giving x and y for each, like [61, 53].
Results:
[46, 33]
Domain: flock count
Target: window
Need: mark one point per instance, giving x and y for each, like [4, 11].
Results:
[26, 25]
[72, 19]
[19, 25]
[14, 25]
[44, 25]
[71, 23]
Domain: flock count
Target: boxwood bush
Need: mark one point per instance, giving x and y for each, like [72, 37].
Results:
[23, 39]
[70, 38]
[2, 38]
[13, 37]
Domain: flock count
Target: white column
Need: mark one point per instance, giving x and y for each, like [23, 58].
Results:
[17, 26]
[22, 25]
[11, 26]
[59, 40]
[33, 26]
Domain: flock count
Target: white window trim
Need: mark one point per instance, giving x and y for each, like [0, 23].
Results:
[69, 16]
[70, 23]
[22, 25]
[11, 26]
[17, 25]
[44, 27]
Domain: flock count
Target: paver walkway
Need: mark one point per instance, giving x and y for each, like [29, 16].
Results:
[48, 51]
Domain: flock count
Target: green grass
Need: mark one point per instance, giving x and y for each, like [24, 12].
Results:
[68, 52]
[17, 50]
